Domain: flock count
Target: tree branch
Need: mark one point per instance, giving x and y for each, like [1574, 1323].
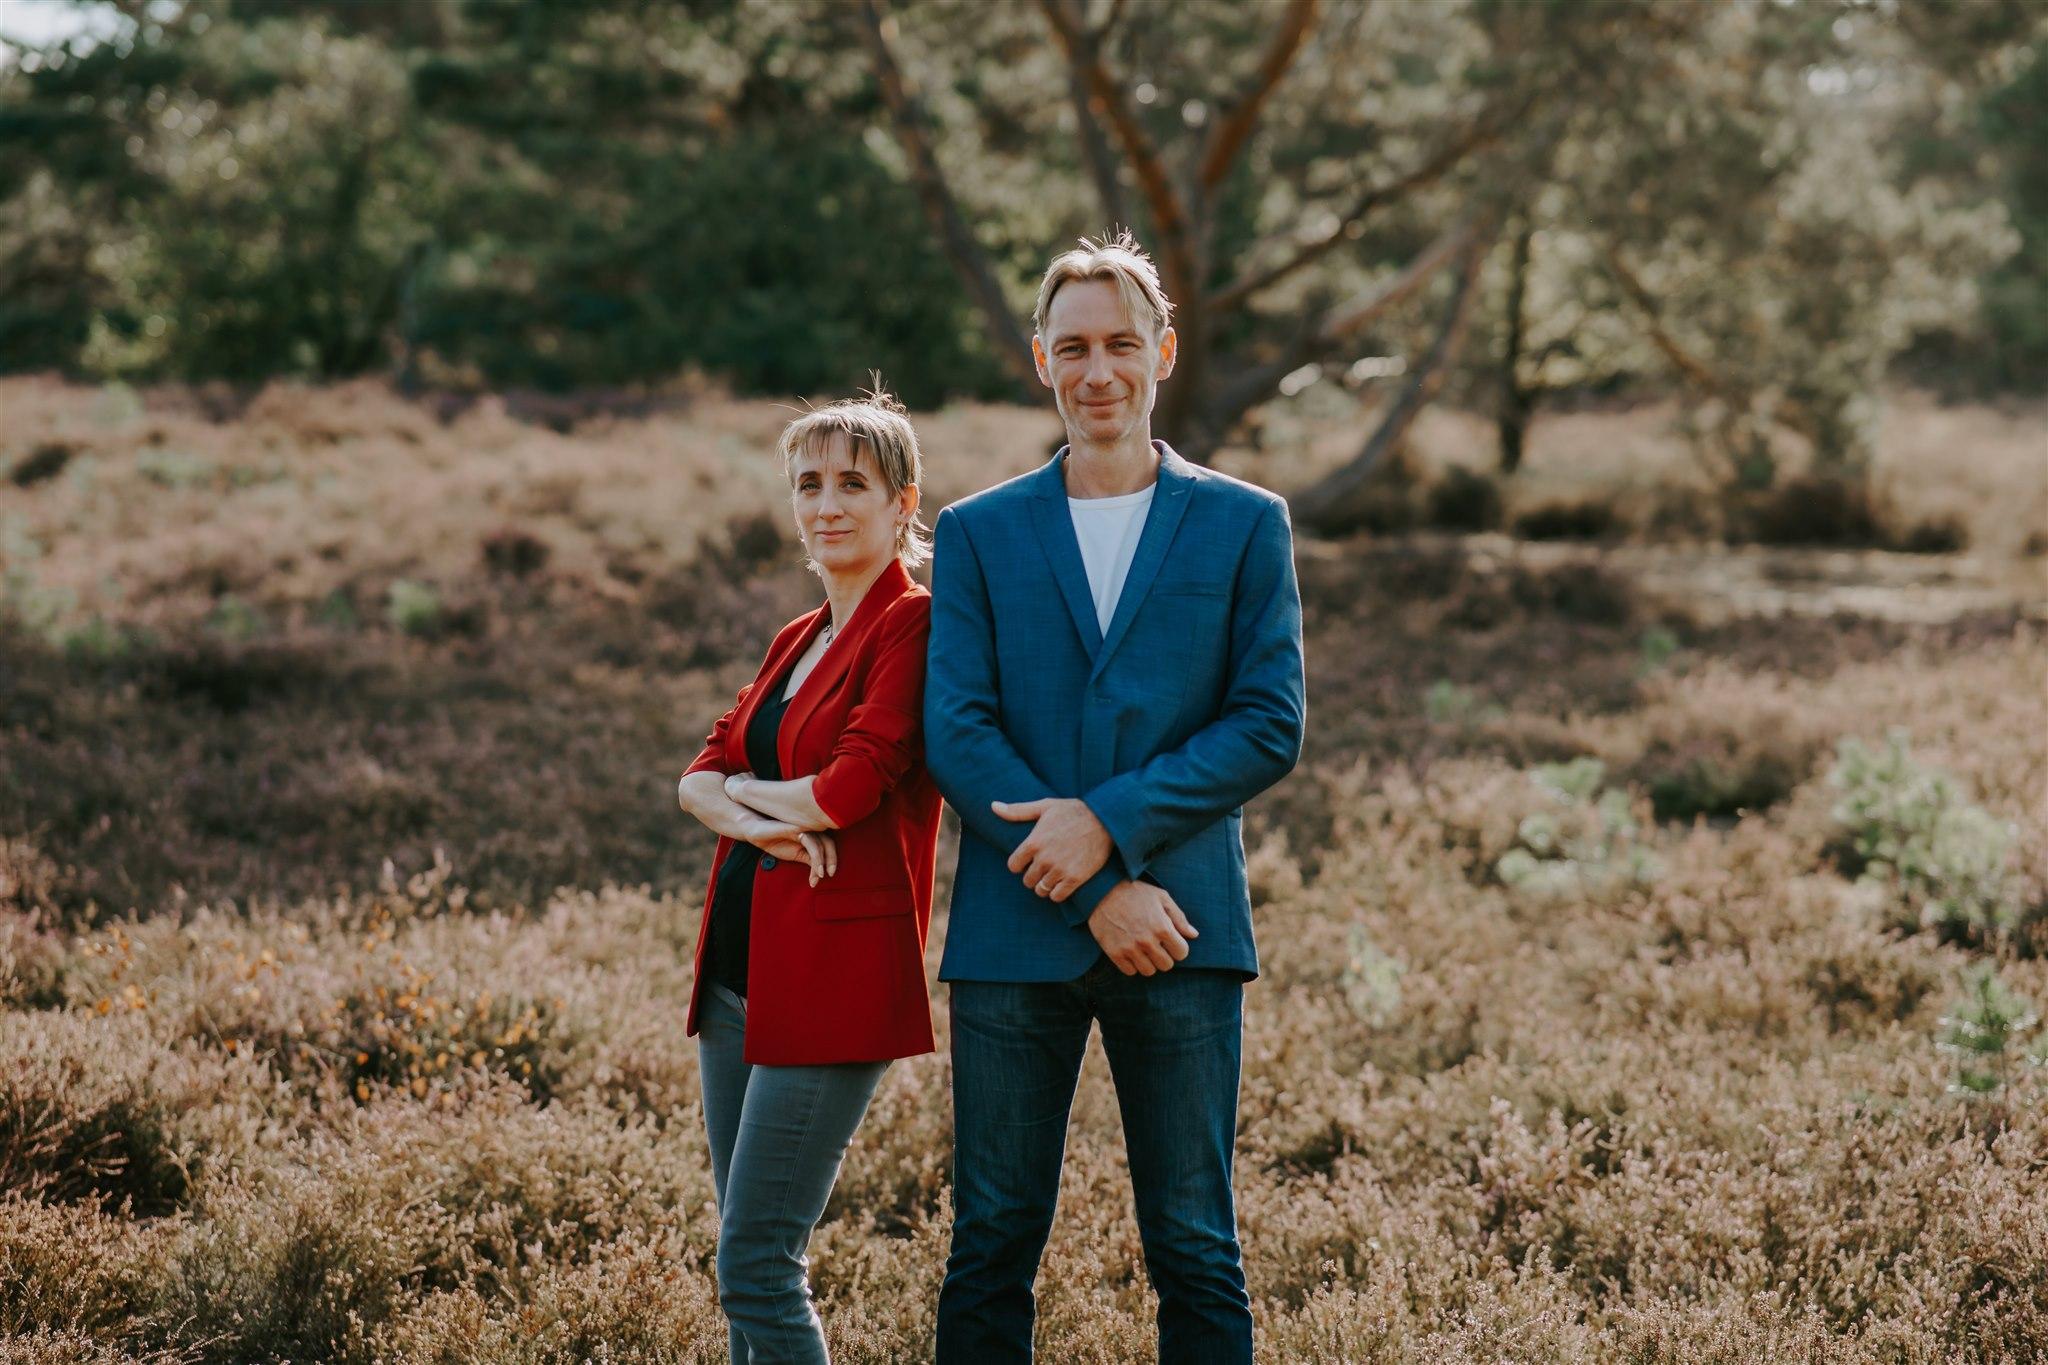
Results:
[1253, 386]
[1325, 505]
[1689, 366]
[1088, 114]
[1177, 255]
[1484, 128]
[942, 209]
[1230, 131]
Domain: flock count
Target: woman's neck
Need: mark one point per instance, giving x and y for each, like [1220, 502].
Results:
[844, 590]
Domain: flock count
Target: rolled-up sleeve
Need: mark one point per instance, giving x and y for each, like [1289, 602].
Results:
[883, 735]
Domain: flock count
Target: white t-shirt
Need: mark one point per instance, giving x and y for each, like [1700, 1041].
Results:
[1108, 529]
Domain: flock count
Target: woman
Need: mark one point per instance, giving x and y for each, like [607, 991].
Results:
[810, 961]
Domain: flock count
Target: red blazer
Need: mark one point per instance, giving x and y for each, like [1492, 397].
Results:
[835, 973]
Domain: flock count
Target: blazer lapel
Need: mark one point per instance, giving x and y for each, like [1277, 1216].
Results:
[1055, 526]
[1169, 505]
[837, 661]
[772, 670]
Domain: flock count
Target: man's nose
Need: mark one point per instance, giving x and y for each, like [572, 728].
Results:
[1098, 368]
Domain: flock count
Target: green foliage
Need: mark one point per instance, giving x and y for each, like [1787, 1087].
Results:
[1913, 830]
[785, 258]
[236, 619]
[1447, 703]
[414, 608]
[2014, 123]
[174, 468]
[1983, 1031]
[1371, 980]
[1655, 648]
[1580, 841]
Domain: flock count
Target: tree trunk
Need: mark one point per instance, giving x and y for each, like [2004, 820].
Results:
[1517, 400]
[1328, 505]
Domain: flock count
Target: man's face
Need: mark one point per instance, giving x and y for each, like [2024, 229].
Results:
[1100, 364]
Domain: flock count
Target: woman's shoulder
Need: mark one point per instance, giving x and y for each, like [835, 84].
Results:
[910, 611]
[793, 629]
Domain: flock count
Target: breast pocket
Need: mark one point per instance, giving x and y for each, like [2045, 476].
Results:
[1187, 639]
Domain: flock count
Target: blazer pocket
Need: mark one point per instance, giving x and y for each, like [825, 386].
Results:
[866, 902]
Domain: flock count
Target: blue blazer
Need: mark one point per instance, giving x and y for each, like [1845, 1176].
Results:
[1192, 704]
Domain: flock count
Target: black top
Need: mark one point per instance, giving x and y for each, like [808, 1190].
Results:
[732, 901]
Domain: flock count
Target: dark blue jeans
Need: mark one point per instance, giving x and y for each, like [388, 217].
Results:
[1173, 1043]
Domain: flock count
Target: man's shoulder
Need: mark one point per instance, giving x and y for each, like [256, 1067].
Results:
[997, 500]
[1235, 495]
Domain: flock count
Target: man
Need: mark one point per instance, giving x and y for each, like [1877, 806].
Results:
[1115, 668]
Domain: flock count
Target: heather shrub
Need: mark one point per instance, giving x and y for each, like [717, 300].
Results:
[1698, 762]
[76, 1348]
[90, 1108]
[31, 960]
[1464, 500]
[643, 1299]
[282, 1264]
[1581, 520]
[1912, 829]
[1699, 1118]
[71, 1269]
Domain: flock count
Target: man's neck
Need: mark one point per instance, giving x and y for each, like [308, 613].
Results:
[1129, 466]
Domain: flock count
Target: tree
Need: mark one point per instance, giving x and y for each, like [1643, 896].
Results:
[1296, 195]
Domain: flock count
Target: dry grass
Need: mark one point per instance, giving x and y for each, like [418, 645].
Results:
[300, 1105]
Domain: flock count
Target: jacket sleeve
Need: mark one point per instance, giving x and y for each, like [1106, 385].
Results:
[882, 737]
[971, 759]
[711, 759]
[1256, 738]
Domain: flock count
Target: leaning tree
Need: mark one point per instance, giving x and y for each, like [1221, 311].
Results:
[1300, 170]
[1696, 192]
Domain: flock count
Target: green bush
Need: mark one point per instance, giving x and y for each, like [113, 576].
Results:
[415, 608]
[1913, 829]
[1983, 1030]
[1580, 840]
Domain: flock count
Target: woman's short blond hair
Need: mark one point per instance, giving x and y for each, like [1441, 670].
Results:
[1122, 262]
[878, 423]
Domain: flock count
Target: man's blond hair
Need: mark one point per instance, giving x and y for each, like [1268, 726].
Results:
[878, 423]
[1122, 262]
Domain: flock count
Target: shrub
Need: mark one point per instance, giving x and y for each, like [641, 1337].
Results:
[414, 608]
[1983, 1030]
[46, 461]
[1464, 501]
[1584, 520]
[1939, 536]
[1580, 841]
[1817, 510]
[513, 552]
[88, 1109]
[174, 468]
[1912, 829]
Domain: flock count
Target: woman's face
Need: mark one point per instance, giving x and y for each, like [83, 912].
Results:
[844, 511]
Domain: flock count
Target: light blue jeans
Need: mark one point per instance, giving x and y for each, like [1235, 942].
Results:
[778, 1135]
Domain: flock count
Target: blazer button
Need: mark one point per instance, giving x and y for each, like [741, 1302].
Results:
[768, 862]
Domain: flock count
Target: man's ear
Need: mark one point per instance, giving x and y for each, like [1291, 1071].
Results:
[1169, 347]
[1038, 359]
